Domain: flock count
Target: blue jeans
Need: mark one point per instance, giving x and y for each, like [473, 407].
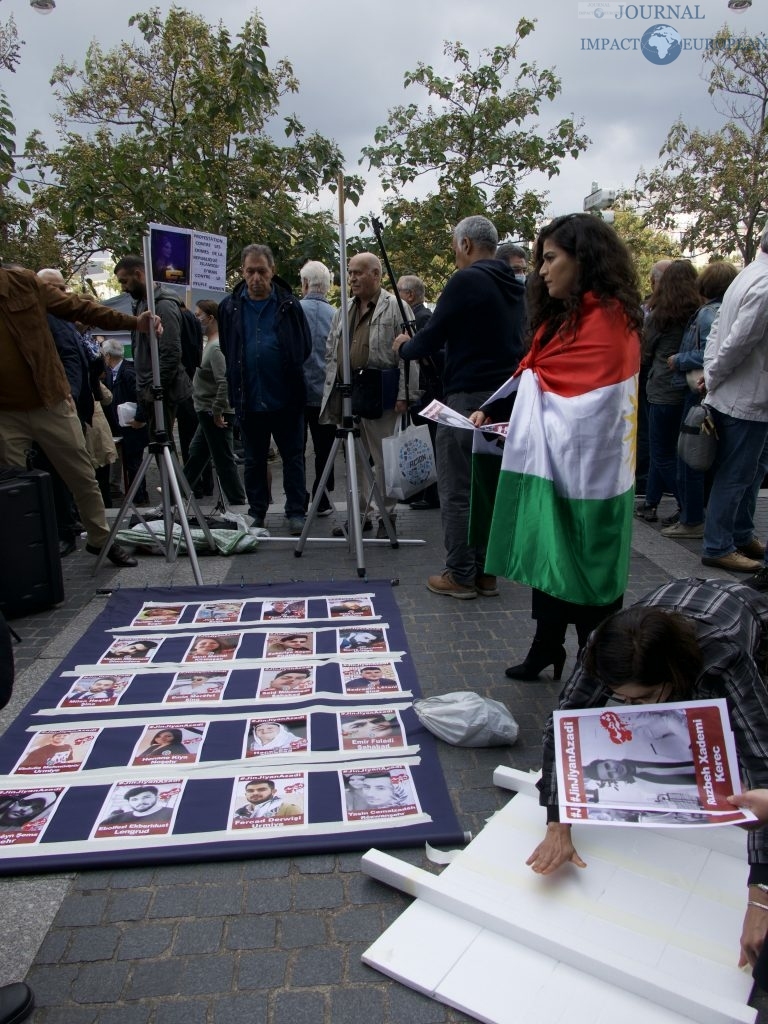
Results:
[740, 465]
[286, 426]
[663, 431]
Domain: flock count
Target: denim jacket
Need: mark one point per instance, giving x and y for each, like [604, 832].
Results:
[691, 354]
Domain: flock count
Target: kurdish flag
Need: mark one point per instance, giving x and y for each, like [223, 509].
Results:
[562, 519]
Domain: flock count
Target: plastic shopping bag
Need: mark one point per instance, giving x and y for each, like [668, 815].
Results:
[409, 461]
[466, 719]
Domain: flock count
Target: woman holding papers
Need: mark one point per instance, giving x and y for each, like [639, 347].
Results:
[689, 640]
[562, 519]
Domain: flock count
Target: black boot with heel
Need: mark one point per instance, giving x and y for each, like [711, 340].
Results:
[540, 656]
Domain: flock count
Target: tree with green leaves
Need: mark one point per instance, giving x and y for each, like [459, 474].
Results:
[474, 143]
[714, 184]
[646, 244]
[177, 128]
[25, 237]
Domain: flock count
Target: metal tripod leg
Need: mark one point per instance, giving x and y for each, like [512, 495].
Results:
[172, 481]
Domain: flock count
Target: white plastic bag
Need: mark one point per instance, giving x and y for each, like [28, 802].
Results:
[466, 719]
[409, 461]
[126, 413]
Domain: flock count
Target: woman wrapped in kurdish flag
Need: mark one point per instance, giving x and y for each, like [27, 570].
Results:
[562, 517]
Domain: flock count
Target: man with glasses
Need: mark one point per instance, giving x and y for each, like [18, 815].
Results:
[374, 322]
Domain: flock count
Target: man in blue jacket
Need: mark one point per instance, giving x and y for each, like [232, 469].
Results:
[265, 339]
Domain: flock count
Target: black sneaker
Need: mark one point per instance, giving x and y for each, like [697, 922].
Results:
[325, 508]
[647, 513]
[760, 580]
[672, 520]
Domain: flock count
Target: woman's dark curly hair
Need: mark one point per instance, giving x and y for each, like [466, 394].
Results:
[605, 268]
[646, 646]
[677, 296]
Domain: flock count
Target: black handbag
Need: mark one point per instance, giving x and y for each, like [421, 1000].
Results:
[374, 391]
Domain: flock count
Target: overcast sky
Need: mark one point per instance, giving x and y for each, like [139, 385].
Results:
[350, 58]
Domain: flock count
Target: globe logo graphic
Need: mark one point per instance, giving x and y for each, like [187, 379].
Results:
[661, 44]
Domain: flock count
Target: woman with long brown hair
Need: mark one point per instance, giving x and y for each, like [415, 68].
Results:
[562, 519]
[672, 305]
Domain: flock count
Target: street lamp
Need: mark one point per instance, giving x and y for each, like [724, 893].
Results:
[42, 6]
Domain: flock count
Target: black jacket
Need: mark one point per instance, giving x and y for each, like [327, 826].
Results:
[479, 320]
[75, 361]
[292, 332]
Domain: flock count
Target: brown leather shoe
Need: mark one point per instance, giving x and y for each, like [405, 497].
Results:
[755, 549]
[485, 585]
[734, 562]
[446, 584]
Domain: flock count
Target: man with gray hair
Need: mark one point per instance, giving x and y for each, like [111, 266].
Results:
[374, 321]
[315, 282]
[265, 339]
[516, 257]
[478, 318]
[735, 359]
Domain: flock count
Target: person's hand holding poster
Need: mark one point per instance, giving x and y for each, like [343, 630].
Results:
[647, 765]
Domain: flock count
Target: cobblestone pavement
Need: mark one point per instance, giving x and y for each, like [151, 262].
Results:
[276, 940]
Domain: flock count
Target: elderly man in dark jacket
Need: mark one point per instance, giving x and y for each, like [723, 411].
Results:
[265, 339]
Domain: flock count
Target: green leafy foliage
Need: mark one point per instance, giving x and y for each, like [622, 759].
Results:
[475, 143]
[178, 128]
[715, 183]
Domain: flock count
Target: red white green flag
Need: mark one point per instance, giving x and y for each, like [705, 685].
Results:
[562, 518]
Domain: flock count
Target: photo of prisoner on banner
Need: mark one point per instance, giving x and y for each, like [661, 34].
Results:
[159, 615]
[56, 750]
[284, 610]
[213, 647]
[293, 682]
[189, 687]
[178, 743]
[219, 611]
[138, 650]
[370, 730]
[671, 757]
[371, 793]
[284, 735]
[366, 677]
[95, 691]
[25, 813]
[357, 606]
[268, 801]
[286, 645]
[171, 256]
[139, 809]
[357, 639]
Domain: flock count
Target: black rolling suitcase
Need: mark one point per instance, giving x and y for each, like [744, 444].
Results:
[30, 564]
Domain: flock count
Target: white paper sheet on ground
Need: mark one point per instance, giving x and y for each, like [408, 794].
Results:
[647, 934]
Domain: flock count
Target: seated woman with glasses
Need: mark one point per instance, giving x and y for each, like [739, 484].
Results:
[689, 640]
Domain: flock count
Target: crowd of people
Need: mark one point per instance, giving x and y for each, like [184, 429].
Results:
[565, 352]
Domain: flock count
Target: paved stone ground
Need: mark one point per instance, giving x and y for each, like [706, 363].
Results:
[276, 940]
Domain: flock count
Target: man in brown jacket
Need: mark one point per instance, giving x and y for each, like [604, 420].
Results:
[35, 400]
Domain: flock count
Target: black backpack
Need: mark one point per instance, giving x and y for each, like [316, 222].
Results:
[191, 341]
[191, 334]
